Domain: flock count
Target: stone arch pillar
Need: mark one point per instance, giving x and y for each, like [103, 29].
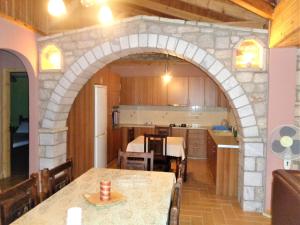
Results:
[102, 51]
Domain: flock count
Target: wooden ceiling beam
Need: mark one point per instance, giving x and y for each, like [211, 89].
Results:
[182, 10]
[259, 7]
[285, 27]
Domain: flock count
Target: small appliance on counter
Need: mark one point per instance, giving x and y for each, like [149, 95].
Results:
[177, 125]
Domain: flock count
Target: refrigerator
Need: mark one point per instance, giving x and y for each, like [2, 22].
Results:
[100, 139]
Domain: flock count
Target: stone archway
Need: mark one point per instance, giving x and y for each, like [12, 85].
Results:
[142, 35]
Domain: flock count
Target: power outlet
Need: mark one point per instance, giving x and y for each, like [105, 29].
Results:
[287, 164]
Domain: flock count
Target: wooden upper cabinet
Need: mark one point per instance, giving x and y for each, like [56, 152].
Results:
[178, 91]
[137, 90]
[193, 91]
[222, 100]
[211, 93]
[145, 90]
[159, 92]
[196, 91]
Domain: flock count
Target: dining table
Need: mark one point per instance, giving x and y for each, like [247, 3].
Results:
[146, 199]
[175, 146]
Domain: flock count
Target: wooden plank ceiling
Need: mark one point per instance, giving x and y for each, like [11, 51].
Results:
[34, 12]
[246, 13]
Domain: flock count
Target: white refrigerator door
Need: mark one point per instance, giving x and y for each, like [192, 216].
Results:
[100, 155]
[100, 110]
[100, 151]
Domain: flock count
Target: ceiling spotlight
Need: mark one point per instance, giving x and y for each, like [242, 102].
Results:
[56, 7]
[105, 15]
[88, 3]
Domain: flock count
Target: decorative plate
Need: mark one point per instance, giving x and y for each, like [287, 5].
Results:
[94, 198]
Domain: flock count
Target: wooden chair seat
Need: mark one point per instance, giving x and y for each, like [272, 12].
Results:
[136, 160]
[55, 179]
[19, 199]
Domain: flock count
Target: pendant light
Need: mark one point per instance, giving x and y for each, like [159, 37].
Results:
[167, 77]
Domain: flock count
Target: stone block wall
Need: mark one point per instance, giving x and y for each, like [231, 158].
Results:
[209, 46]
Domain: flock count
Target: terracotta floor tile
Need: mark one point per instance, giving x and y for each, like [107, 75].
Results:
[201, 206]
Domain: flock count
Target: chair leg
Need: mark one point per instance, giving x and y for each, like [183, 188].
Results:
[185, 171]
[177, 167]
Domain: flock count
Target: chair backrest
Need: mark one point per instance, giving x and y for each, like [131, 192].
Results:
[175, 203]
[55, 179]
[19, 199]
[163, 130]
[156, 143]
[130, 135]
[136, 160]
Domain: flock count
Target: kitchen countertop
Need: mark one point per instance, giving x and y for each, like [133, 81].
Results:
[153, 125]
[224, 139]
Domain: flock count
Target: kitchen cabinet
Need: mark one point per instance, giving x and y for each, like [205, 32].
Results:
[160, 96]
[178, 91]
[197, 143]
[137, 90]
[180, 132]
[223, 164]
[222, 100]
[138, 131]
[196, 91]
[212, 156]
[211, 93]
[200, 91]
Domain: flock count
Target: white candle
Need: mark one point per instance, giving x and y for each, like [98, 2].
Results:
[74, 216]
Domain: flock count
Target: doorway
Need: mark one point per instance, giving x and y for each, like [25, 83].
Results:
[14, 120]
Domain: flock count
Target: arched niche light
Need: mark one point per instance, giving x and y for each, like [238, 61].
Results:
[50, 58]
[249, 55]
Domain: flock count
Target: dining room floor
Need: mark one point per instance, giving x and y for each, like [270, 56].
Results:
[201, 206]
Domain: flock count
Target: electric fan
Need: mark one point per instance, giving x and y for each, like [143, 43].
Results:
[285, 143]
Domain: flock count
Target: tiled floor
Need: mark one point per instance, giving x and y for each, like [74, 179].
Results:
[200, 206]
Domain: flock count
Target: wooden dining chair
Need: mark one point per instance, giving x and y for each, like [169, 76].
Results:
[136, 160]
[163, 130]
[53, 180]
[19, 199]
[174, 212]
[130, 135]
[182, 169]
[158, 144]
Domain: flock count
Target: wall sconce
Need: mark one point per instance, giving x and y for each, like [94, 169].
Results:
[167, 77]
[249, 54]
[50, 58]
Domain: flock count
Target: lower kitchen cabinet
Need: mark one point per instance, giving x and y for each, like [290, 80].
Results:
[197, 143]
[180, 132]
[223, 164]
[138, 131]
